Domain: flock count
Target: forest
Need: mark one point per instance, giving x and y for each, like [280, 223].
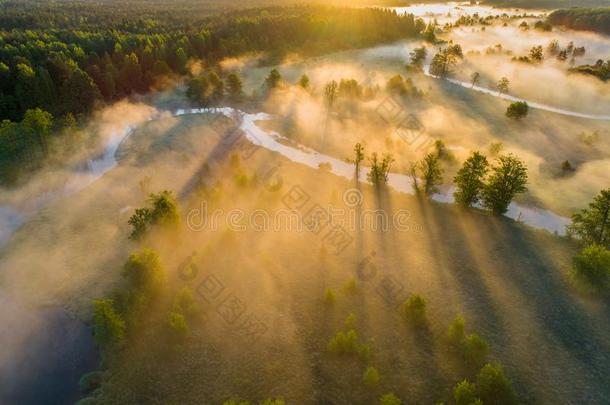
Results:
[588, 19]
[60, 74]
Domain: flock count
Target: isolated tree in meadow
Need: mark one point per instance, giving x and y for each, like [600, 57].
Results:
[371, 377]
[273, 79]
[474, 350]
[503, 85]
[431, 173]
[508, 178]
[456, 333]
[465, 393]
[475, 77]
[470, 180]
[443, 63]
[330, 93]
[108, 326]
[414, 310]
[235, 87]
[562, 55]
[330, 297]
[517, 110]
[493, 387]
[304, 82]
[389, 399]
[380, 168]
[553, 48]
[592, 225]
[537, 54]
[567, 168]
[358, 158]
[417, 57]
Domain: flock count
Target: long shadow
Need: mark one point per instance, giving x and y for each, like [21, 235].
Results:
[582, 335]
[230, 137]
[389, 242]
[466, 266]
[464, 100]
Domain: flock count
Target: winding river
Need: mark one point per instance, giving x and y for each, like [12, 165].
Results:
[535, 217]
[531, 104]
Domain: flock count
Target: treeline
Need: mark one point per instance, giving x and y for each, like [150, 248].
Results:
[62, 69]
[548, 4]
[588, 19]
[66, 58]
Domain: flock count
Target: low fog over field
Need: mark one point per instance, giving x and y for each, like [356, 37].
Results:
[184, 252]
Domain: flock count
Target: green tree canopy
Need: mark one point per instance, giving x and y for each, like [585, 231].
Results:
[508, 178]
[592, 225]
[470, 180]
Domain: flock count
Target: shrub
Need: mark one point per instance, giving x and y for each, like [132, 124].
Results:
[517, 110]
[592, 265]
[350, 321]
[494, 387]
[364, 352]
[389, 399]
[344, 342]
[456, 334]
[475, 349]
[472, 348]
[329, 296]
[177, 325]
[186, 304]
[371, 377]
[414, 310]
[464, 393]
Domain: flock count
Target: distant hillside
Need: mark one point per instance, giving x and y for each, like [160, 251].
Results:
[548, 4]
[589, 19]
